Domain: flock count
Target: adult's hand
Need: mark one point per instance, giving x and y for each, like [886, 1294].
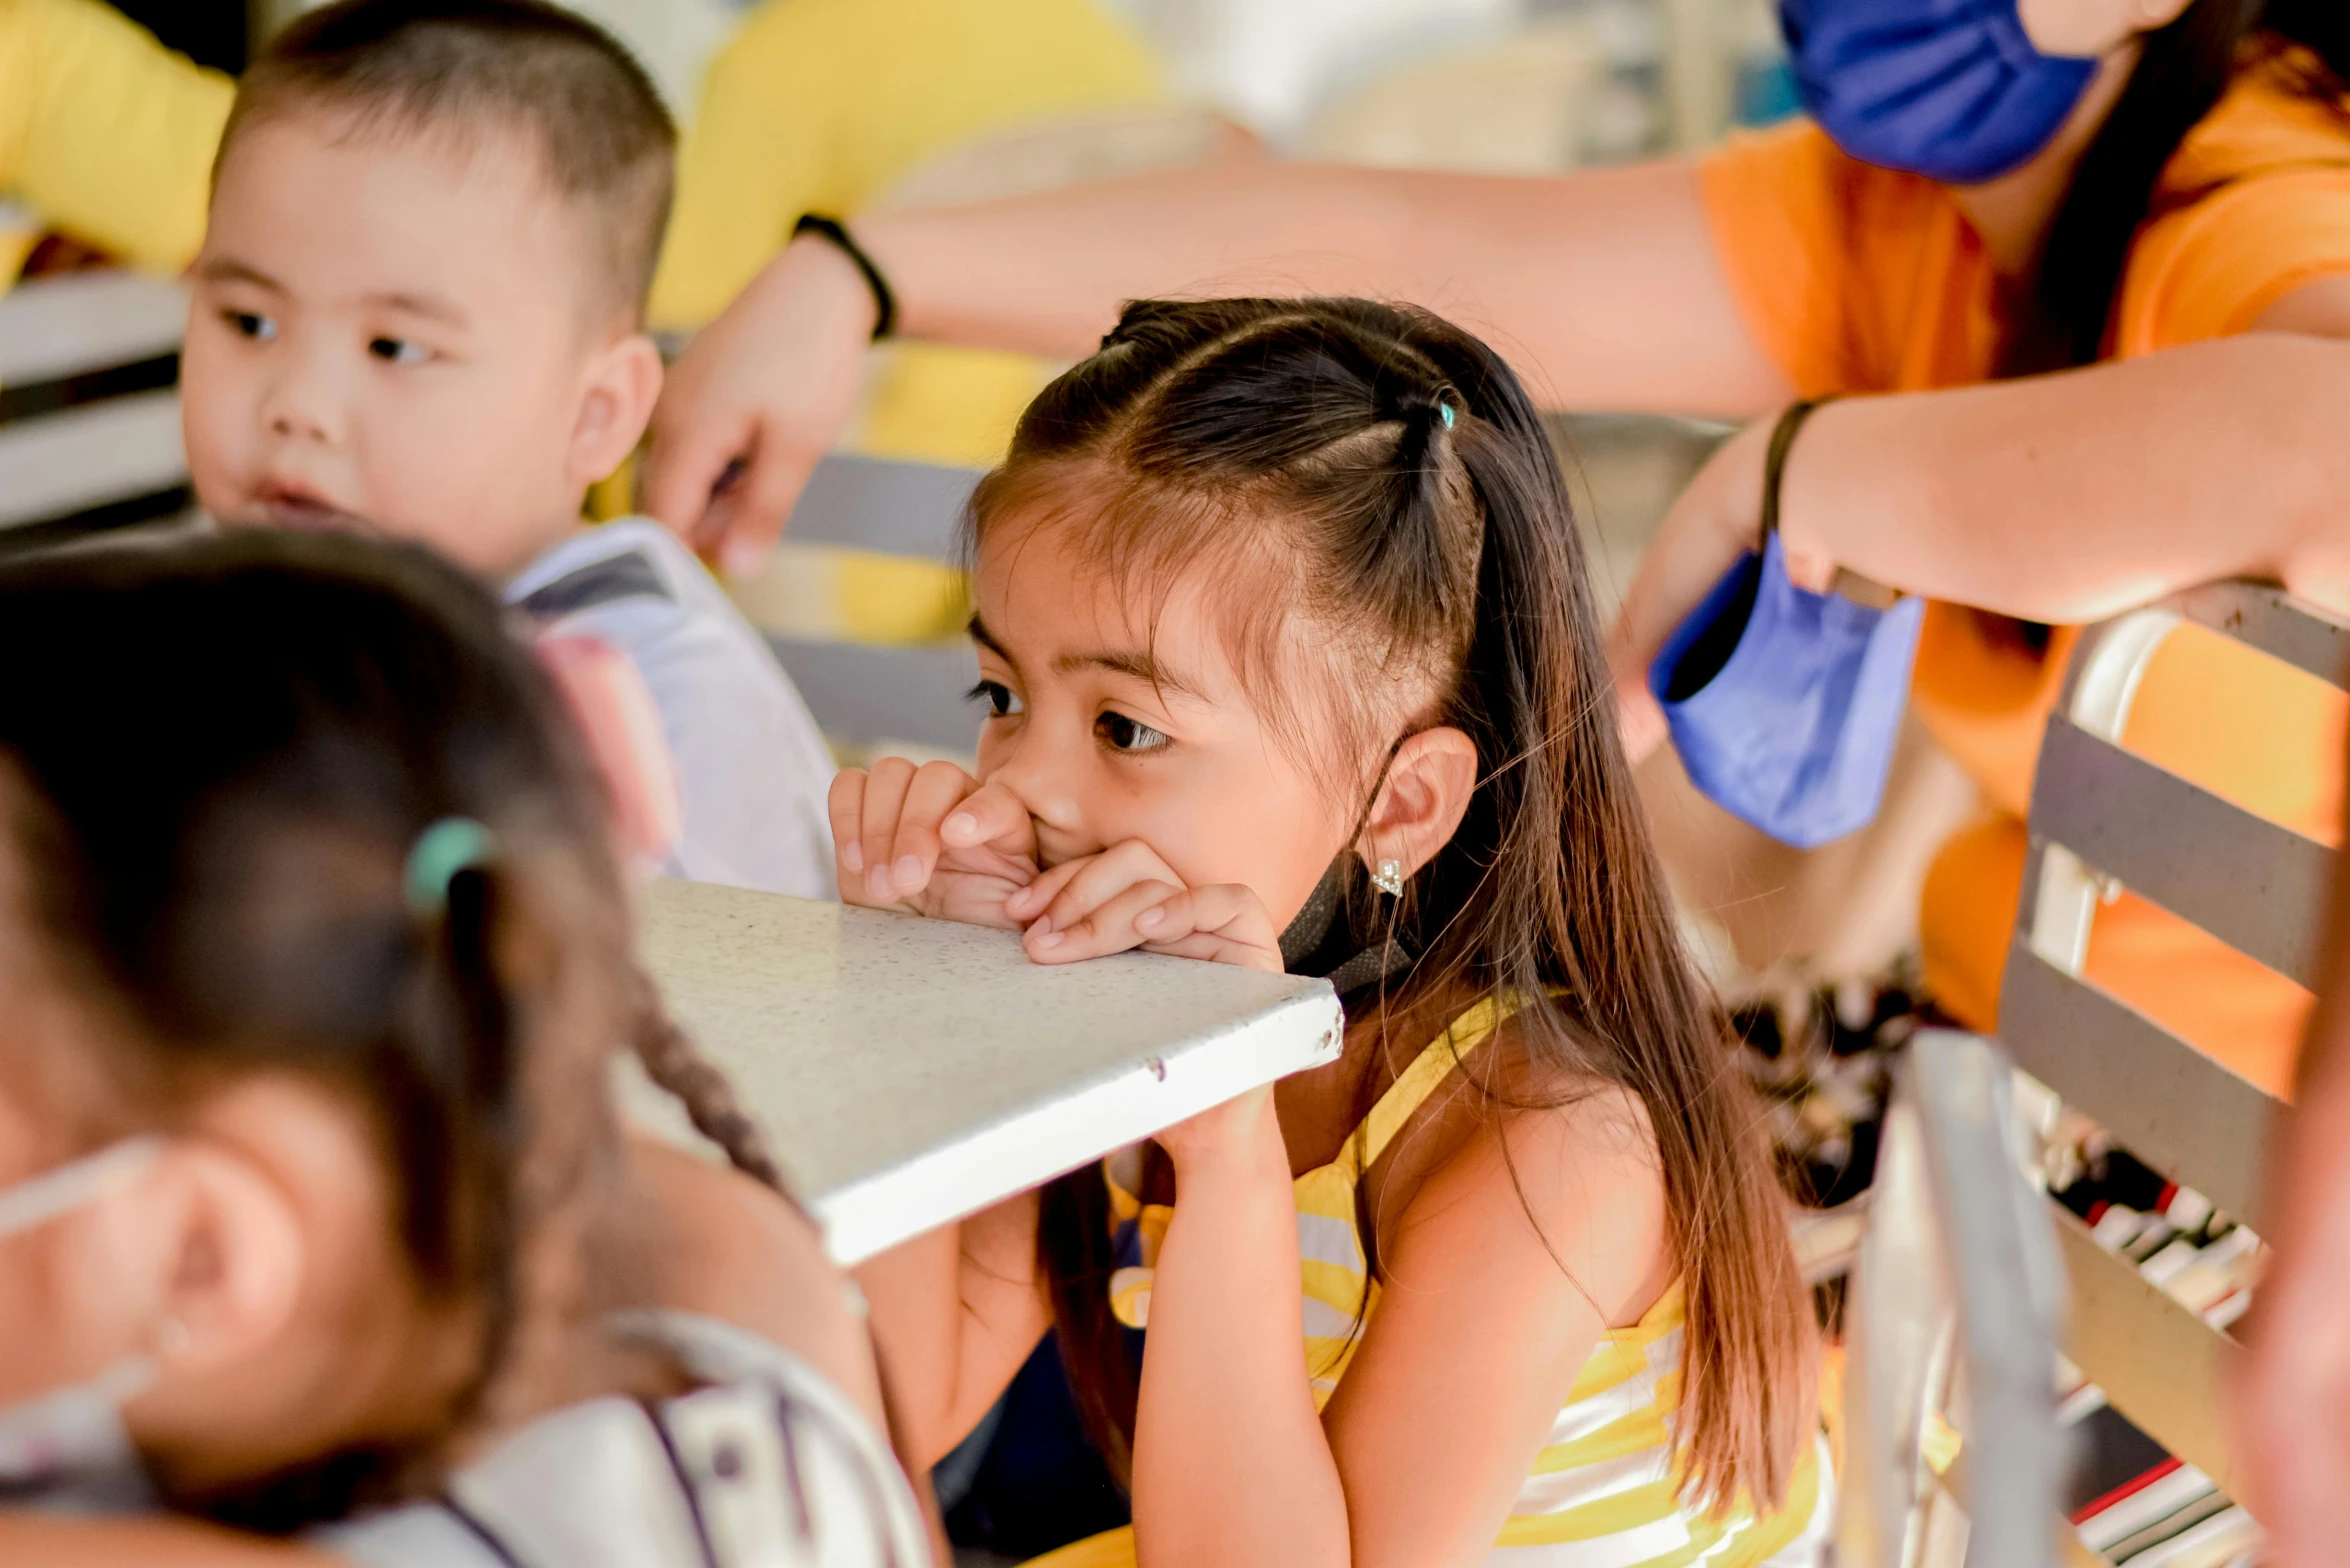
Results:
[1717, 519]
[760, 395]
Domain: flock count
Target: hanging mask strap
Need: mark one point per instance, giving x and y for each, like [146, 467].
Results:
[1317, 943]
[1368, 967]
[76, 1182]
[1304, 935]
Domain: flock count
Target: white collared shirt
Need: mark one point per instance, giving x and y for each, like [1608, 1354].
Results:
[752, 770]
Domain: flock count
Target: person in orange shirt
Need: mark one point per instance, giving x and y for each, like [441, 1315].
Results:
[2102, 307]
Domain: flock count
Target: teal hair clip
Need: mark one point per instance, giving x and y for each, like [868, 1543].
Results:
[449, 846]
[1445, 409]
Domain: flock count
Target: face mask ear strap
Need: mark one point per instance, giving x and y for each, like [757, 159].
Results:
[76, 1182]
[1306, 933]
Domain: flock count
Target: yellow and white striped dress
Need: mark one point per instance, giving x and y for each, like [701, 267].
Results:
[1600, 1492]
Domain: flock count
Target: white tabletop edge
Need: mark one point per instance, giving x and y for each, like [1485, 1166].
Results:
[872, 1215]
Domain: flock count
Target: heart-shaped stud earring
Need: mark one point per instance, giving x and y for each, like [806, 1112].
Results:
[1388, 878]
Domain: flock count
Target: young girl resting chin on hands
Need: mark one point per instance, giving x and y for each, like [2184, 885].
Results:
[1289, 662]
[314, 955]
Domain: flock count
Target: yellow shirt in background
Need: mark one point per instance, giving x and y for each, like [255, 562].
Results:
[104, 133]
[824, 106]
[1858, 279]
[816, 105]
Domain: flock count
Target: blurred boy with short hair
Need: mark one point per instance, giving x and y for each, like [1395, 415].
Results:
[418, 312]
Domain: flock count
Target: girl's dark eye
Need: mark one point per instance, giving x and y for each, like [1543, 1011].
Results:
[1125, 734]
[247, 324]
[1002, 702]
[400, 351]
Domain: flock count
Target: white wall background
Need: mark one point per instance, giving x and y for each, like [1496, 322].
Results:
[1277, 64]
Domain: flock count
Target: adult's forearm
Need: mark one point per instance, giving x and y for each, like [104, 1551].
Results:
[1602, 287]
[2075, 496]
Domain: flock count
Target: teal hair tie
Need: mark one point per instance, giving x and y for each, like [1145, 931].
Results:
[449, 846]
[1445, 409]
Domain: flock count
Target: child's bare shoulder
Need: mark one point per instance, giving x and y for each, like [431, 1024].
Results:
[1539, 1116]
[1531, 1157]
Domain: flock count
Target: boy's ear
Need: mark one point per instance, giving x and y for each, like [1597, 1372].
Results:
[616, 403]
[1420, 806]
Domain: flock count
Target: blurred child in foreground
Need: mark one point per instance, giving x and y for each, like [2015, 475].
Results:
[315, 1209]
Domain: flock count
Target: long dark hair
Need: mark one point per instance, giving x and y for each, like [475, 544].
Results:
[2182, 71]
[1377, 490]
[215, 758]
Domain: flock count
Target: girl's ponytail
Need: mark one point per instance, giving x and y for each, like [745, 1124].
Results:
[1556, 888]
[461, 1042]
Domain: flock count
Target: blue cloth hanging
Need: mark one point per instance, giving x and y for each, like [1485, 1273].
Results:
[1785, 704]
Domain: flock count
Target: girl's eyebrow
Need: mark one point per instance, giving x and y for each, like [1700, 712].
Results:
[1140, 665]
[987, 639]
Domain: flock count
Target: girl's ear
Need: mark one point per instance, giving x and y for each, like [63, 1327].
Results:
[623, 383]
[1420, 806]
[236, 1256]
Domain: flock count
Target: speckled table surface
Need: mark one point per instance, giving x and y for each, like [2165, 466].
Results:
[913, 1071]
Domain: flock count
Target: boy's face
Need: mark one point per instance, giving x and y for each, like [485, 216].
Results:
[393, 332]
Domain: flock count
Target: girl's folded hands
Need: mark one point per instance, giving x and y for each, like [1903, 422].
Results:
[1125, 897]
[932, 840]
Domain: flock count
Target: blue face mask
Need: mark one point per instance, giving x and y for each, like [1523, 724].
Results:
[1950, 89]
[1785, 704]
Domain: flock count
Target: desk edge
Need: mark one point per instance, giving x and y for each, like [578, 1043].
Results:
[869, 1216]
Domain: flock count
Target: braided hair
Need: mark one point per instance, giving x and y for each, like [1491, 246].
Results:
[674, 1063]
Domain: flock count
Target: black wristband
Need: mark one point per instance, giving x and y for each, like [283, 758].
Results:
[1775, 463]
[885, 304]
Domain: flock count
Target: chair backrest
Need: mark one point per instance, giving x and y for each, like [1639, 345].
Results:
[865, 693]
[1953, 1309]
[89, 417]
[2103, 820]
